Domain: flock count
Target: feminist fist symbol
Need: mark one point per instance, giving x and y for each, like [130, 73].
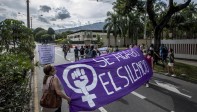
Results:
[81, 81]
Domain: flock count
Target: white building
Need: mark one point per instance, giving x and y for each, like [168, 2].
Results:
[89, 37]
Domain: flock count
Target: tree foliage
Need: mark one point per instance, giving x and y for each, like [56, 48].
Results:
[37, 30]
[158, 12]
[112, 25]
[51, 31]
[15, 62]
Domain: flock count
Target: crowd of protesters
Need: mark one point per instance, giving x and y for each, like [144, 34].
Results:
[164, 55]
[82, 53]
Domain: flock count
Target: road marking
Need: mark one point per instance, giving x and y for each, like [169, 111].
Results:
[138, 95]
[146, 99]
[36, 93]
[102, 109]
[171, 88]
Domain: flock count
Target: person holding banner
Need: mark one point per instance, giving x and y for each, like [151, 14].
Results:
[149, 59]
[116, 49]
[50, 77]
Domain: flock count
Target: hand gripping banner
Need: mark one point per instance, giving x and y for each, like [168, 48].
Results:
[92, 83]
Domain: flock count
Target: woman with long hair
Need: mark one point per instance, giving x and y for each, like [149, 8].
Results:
[50, 72]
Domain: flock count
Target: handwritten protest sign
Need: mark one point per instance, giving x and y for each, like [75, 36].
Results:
[46, 54]
[95, 82]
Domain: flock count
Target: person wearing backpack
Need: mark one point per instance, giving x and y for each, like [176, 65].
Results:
[163, 54]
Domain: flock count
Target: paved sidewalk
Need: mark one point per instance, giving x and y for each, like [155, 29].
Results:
[189, 62]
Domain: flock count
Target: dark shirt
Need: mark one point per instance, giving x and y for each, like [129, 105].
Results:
[76, 52]
[82, 51]
[93, 53]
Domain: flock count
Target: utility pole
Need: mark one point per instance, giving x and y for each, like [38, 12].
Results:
[28, 20]
[31, 22]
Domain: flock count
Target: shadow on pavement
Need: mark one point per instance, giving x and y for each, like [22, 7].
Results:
[180, 103]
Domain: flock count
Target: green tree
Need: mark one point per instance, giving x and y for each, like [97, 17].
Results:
[158, 26]
[134, 25]
[157, 23]
[37, 30]
[51, 31]
[39, 34]
[14, 31]
[112, 25]
[124, 28]
[15, 64]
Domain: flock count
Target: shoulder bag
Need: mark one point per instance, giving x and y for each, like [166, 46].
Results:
[50, 99]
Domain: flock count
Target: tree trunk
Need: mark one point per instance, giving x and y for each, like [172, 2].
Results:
[108, 41]
[157, 38]
[124, 39]
[129, 32]
[131, 35]
[115, 37]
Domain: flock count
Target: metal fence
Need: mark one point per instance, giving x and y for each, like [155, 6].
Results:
[183, 49]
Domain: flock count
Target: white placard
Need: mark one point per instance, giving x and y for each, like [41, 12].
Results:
[46, 54]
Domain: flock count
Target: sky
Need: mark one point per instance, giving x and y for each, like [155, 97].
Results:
[58, 14]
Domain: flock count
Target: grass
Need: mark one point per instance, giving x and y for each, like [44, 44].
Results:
[183, 71]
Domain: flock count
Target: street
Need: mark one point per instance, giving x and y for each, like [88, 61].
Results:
[165, 94]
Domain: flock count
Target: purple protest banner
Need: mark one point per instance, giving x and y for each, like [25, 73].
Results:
[92, 83]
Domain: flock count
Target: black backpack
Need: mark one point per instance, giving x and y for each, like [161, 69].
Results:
[165, 50]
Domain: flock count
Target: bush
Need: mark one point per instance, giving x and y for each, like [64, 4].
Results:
[14, 92]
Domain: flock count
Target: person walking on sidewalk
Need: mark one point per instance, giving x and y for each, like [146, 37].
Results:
[51, 80]
[171, 62]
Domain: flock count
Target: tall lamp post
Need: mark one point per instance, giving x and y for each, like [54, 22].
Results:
[28, 20]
